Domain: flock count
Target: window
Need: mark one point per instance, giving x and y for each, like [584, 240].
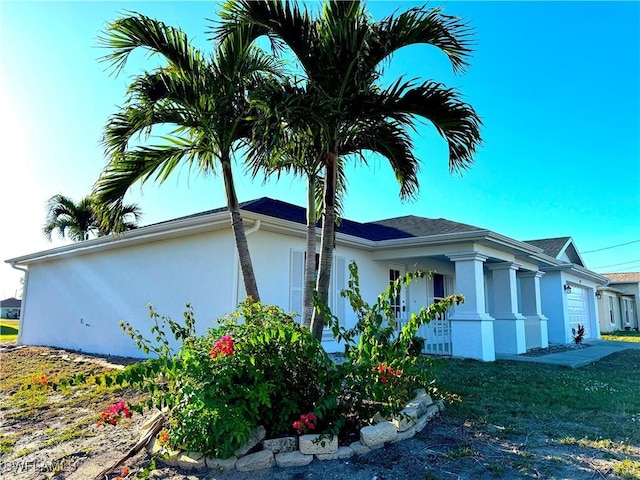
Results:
[438, 286]
[611, 317]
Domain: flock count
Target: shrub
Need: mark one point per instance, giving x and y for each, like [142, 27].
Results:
[382, 369]
[257, 368]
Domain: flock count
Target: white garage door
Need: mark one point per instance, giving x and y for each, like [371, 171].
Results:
[578, 307]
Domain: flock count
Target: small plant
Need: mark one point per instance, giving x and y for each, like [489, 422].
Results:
[578, 336]
[382, 369]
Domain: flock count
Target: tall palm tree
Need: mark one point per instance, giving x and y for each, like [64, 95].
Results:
[341, 52]
[202, 99]
[78, 221]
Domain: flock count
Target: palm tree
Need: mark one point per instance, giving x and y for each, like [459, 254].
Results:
[202, 99]
[341, 51]
[78, 221]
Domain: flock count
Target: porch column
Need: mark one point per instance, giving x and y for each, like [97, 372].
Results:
[508, 324]
[471, 325]
[536, 323]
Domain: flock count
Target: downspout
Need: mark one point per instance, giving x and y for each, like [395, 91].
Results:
[236, 267]
[24, 299]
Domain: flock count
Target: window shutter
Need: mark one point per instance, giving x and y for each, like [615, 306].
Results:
[296, 281]
[339, 284]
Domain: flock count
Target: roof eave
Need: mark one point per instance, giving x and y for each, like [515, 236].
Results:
[580, 272]
[156, 232]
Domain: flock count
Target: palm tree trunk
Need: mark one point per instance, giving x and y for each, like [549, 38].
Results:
[327, 241]
[310, 261]
[237, 226]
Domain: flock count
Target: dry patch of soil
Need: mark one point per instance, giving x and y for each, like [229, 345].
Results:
[59, 439]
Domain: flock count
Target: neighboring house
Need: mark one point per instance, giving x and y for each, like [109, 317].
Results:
[10, 308]
[618, 302]
[76, 295]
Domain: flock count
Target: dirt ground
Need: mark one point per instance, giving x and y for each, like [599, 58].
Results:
[446, 449]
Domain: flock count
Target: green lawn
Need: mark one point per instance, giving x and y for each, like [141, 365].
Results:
[8, 330]
[622, 336]
[593, 411]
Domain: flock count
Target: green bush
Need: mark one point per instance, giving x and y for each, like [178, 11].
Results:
[382, 369]
[257, 368]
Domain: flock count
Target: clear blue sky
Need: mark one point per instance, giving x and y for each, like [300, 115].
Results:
[556, 84]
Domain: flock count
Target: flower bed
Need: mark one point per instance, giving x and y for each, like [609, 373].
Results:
[293, 451]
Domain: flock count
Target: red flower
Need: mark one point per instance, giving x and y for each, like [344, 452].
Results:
[307, 422]
[222, 347]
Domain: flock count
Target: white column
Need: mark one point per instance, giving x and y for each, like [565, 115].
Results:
[471, 325]
[508, 324]
[536, 322]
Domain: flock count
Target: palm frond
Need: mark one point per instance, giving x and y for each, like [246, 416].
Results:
[283, 22]
[422, 25]
[391, 140]
[139, 31]
[139, 164]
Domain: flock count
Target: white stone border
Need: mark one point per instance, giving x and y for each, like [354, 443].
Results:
[302, 450]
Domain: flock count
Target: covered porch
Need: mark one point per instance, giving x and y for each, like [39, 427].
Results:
[502, 312]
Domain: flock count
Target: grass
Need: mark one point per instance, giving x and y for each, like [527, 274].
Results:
[25, 401]
[599, 402]
[8, 330]
[622, 336]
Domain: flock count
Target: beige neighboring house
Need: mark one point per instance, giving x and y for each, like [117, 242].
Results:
[618, 302]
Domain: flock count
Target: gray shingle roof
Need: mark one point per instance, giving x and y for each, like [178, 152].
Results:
[550, 246]
[424, 227]
[10, 303]
[388, 229]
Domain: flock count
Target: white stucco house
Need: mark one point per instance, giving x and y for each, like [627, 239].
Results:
[517, 294]
[617, 302]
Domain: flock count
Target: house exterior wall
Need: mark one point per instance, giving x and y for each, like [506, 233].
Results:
[9, 312]
[610, 320]
[77, 302]
[556, 309]
[632, 294]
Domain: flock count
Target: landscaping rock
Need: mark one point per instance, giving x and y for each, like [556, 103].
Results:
[284, 444]
[191, 461]
[377, 418]
[420, 403]
[256, 461]
[221, 463]
[359, 448]
[378, 434]
[293, 459]
[409, 433]
[406, 418]
[432, 411]
[256, 436]
[440, 405]
[316, 445]
[342, 452]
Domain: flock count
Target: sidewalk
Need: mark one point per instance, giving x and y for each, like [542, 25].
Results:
[579, 357]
